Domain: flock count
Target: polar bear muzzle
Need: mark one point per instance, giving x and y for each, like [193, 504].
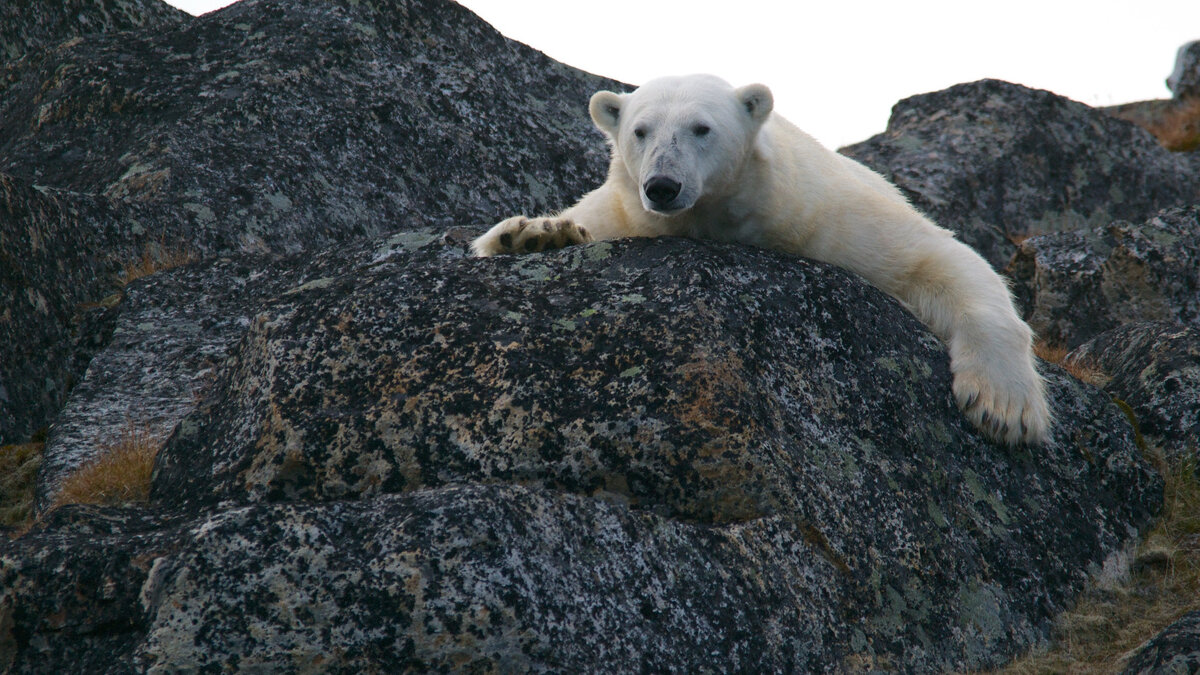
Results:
[661, 191]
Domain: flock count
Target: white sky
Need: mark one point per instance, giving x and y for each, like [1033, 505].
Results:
[837, 67]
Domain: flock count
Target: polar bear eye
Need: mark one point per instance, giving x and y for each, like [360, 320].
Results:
[701, 130]
[640, 133]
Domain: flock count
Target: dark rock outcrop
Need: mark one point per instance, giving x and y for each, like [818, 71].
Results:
[1175, 651]
[169, 335]
[640, 453]
[998, 162]
[1154, 367]
[1184, 80]
[30, 28]
[59, 255]
[1082, 283]
[269, 126]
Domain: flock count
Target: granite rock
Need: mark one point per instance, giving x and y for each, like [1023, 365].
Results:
[1154, 367]
[702, 384]
[271, 126]
[998, 162]
[30, 28]
[1083, 283]
[1184, 80]
[1174, 651]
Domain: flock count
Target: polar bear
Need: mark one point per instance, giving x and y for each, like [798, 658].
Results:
[694, 157]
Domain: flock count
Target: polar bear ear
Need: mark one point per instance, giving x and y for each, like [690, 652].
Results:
[605, 108]
[757, 100]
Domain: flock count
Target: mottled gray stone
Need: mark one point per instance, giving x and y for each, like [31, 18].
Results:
[167, 338]
[28, 28]
[1082, 283]
[1174, 651]
[704, 384]
[1154, 367]
[997, 162]
[1184, 80]
[271, 126]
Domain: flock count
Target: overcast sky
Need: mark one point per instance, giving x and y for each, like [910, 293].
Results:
[836, 68]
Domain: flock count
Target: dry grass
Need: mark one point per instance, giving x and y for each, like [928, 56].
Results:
[1107, 625]
[18, 470]
[1082, 371]
[1176, 126]
[155, 257]
[120, 475]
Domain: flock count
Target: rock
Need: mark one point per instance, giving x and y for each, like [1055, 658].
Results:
[998, 162]
[1154, 367]
[284, 125]
[31, 28]
[1184, 80]
[713, 386]
[271, 127]
[1086, 282]
[69, 590]
[169, 335]
[58, 261]
[1175, 651]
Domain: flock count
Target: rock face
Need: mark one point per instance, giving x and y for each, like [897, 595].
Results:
[1184, 81]
[270, 126]
[1082, 283]
[650, 453]
[30, 29]
[1176, 650]
[1154, 367]
[997, 162]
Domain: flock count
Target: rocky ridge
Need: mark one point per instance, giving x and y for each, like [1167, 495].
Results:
[651, 455]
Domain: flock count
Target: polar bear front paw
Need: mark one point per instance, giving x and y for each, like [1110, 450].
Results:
[527, 235]
[1008, 406]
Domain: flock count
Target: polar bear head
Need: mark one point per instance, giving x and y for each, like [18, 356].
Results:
[682, 139]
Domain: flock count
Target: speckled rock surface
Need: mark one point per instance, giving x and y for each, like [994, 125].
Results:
[1082, 283]
[703, 384]
[30, 27]
[1175, 651]
[55, 265]
[997, 162]
[1155, 368]
[166, 339]
[1184, 80]
[271, 126]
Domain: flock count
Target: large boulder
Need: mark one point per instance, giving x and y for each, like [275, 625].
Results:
[998, 162]
[1079, 284]
[273, 126]
[1184, 80]
[1154, 367]
[727, 391]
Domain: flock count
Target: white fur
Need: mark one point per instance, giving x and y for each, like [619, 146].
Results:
[753, 177]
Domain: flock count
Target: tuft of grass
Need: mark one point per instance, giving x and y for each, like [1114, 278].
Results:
[18, 471]
[120, 475]
[1178, 129]
[155, 257]
[1082, 371]
[1106, 625]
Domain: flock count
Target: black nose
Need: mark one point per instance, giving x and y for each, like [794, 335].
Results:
[661, 190]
